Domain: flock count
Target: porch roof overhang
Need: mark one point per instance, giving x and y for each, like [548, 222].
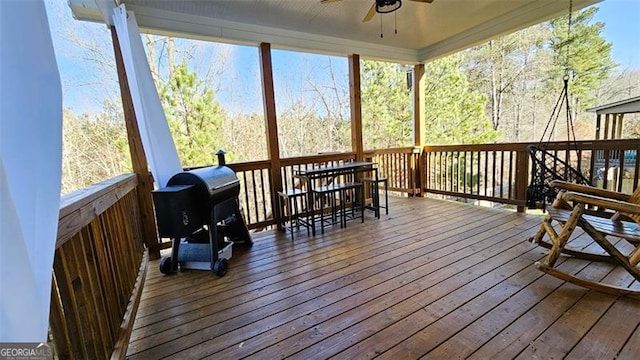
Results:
[425, 31]
[627, 106]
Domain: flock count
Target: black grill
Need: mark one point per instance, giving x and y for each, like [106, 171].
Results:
[194, 201]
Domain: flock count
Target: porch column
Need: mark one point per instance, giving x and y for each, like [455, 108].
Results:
[271, 123]
[418, 109]
[356, 106]
[418, 126]
[138, 158]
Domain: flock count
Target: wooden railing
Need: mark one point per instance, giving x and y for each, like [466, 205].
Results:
[496, 173]
[255, 183]
[501, 172]
[99, 269]
[491, 172]
[400, 166]
[608, 164]
[255, 193]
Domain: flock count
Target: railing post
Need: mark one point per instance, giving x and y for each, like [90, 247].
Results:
[418, 177]
[522, 178]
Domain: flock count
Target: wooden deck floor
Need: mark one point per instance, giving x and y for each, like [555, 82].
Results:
[433, 279]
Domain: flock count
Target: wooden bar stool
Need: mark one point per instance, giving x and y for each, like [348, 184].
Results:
[374, 185]
[289, 200]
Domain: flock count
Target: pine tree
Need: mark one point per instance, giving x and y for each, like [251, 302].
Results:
[386, 106]
[194, 116]
[581, 52]
[455, 112]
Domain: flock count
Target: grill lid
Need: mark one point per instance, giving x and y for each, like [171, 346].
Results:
[216, 183]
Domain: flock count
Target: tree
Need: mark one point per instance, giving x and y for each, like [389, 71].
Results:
[194, 116]
[455, 113]
[506, 69]
[580, 52]
[245, 137]
[386, 106]
[95, 147]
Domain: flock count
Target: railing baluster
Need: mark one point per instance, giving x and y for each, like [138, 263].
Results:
[501, 182]
[605, 174]
[247, 211]
[405, 173]
[451, 168]
[511, 180]
[264, 195]
[464, 173]
[637, 168]
[486, 170]
[255, 194]
[493, 173]
[619, 172]
[478, 173]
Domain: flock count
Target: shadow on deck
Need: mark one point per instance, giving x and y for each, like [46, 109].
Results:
[433, 279]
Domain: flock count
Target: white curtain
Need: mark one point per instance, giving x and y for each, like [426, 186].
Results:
[30, 169]
[159, 148]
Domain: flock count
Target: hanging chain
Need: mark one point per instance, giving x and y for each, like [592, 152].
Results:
[395, 22]
[570, 128]
[563, 99]
[568, 42]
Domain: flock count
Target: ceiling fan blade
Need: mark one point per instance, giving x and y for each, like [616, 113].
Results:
[423, 1]
[371, 13]
[328, 1]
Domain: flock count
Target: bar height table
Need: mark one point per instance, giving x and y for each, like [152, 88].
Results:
[331, 172]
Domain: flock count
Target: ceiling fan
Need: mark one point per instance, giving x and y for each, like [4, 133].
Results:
[381, 7]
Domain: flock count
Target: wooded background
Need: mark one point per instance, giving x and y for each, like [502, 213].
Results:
[500, 91]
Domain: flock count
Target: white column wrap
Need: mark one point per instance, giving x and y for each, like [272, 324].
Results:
[30, 169]
[159, 148]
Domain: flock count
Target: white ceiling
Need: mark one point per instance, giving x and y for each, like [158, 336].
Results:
[425, 31]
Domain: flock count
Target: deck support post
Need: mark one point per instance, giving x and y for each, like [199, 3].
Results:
[138, 158]
[418, 124]
[271, 123]
[356, 106]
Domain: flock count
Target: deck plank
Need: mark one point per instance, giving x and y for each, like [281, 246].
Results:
[434, 279]
[522, 333]
[621, 318]
[344, 315]
[322, 281]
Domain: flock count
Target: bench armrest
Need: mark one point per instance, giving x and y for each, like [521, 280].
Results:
[612, 204]
[577, 188]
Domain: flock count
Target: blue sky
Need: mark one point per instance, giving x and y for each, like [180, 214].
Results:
[84, 84]
[622, 19]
